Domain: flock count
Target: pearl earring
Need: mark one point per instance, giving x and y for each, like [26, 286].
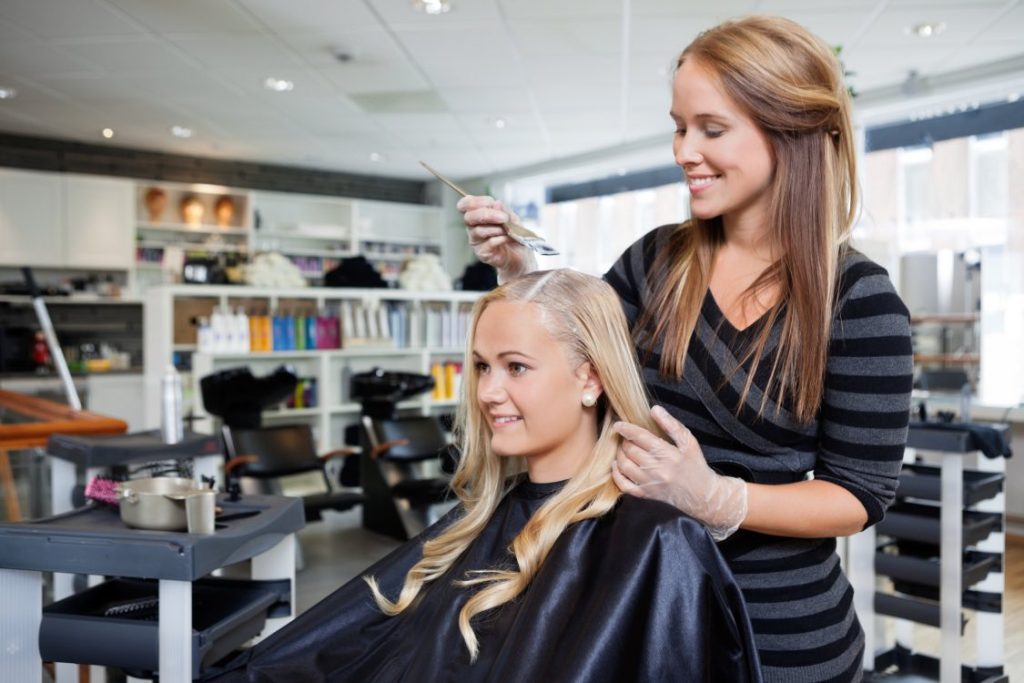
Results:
[589, 399]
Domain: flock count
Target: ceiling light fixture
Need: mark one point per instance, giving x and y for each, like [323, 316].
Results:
[927, 29]
[107, 133]
[7, 93]
[181, 131]
[278, 84]
[432, 6]
[500, 123]
[376, 157]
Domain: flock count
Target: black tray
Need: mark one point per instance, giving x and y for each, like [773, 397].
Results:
[925, 571]
[924, 482]
[917, 522]
[225, 614]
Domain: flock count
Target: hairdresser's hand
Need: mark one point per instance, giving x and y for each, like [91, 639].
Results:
[650, 467]
[484, 218]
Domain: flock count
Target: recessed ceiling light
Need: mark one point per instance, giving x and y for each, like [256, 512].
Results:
[278, 84]
[1013, 97]
[181, 132]
[107, 133]
[7, 93]
[927, 29]
[377, 157]
[500, 123]
[432, 6]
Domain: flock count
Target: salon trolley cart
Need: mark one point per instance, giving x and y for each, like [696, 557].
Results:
[156, 570]
[942, 547]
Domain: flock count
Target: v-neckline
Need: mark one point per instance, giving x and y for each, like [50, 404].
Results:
[724, 319]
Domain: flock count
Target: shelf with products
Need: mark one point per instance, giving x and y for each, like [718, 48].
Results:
[392, 329]
[183, 223]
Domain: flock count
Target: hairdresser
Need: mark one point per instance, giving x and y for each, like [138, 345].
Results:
[778, 357]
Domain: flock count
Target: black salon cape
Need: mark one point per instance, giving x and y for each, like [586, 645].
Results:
[640, 594]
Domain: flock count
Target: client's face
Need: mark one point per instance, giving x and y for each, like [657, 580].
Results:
[529, 393]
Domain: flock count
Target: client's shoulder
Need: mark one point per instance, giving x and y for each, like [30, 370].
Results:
[645, 515]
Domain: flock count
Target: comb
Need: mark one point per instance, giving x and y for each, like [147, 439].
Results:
[524, 236]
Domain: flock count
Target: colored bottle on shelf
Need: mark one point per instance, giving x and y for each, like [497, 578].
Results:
[449, 381]
[311, 336]
[204, 336]
[289, 332]
[437, 372]
[220, 331]
[267, 334]
[242, 340]
[278, 340]
[255, 333]
[300, 332]
[311, 398]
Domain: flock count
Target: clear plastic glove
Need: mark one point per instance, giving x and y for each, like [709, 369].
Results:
[650, 467]
[484, 218]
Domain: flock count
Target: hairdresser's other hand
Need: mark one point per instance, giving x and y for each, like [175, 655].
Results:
[484, 218]
[678, 474]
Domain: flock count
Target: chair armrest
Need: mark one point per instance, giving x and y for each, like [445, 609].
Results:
[236, 462]
[387, 446]
[339, 453]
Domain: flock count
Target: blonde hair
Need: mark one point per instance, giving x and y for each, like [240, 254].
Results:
[789, 82]
[583, 314]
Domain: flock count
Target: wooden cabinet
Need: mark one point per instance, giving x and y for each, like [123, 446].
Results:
[65, 221]
[31, 219]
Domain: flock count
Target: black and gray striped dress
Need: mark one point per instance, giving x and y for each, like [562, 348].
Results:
[800, 603]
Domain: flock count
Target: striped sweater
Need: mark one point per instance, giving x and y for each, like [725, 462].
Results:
[799, 600]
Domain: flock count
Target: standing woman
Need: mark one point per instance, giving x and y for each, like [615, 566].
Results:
[781, 356]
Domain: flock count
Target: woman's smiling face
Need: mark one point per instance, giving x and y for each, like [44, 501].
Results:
[726, 158]
[529, 392]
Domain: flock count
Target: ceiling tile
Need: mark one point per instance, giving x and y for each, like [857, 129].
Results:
[368, 46]
[571, 9]
[401, 14]
[235, 50]
[373, 78]
[62, 19]
[250, 79]
[576, 69]
[564, 37]
[488, 100]
[127, 55]
[962, 23]
[721, 7]
[33, 59]
[187, 16]
[1009, 26]
[301, 15]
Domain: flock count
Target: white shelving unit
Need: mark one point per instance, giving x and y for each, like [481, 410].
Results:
[332, 368]
[317, 231]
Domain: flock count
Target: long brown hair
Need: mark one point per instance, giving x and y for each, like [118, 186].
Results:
[583, 314]
[789, 82]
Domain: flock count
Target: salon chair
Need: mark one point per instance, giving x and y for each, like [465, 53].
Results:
[281, 452]
[405, 461]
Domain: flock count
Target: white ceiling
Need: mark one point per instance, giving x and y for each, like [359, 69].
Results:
[569, 76]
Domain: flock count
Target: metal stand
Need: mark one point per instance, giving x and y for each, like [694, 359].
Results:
[955, 507]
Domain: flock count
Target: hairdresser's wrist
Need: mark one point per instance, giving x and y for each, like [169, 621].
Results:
[729, 509]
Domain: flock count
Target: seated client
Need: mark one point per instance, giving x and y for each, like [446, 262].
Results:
[543, 571]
